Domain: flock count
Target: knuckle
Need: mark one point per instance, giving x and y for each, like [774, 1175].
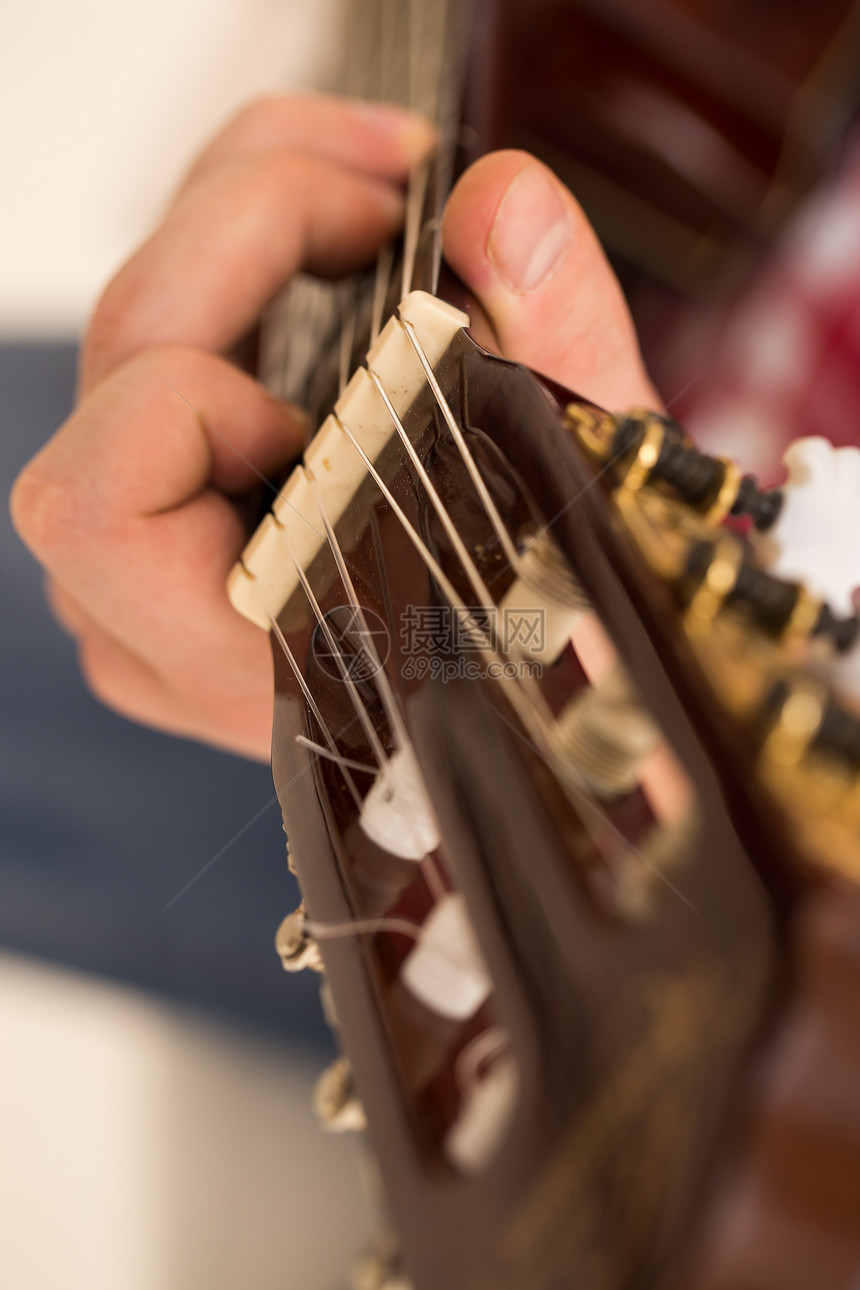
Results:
[111, 329]
[117, 337]
[142, 378]
[59, 509]
[33, 508]
[257, 117]
[152, 382]
[273, 176]
[151, 366]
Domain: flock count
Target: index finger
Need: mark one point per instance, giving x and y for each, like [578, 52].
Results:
[238, 231]
[379, 139]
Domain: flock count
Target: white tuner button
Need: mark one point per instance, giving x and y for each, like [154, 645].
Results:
[445, 970]
[815, 538]
[396, 814]
[485, 1113]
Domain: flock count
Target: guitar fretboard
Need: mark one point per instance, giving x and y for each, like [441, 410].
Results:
[403, 51]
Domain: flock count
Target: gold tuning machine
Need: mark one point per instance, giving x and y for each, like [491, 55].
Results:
[642, 447]
[761, 640]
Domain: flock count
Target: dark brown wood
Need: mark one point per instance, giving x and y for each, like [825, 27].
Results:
[689, 130]
[629, 1036]
[736, 1022]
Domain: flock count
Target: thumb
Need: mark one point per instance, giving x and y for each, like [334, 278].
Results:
[521, 244]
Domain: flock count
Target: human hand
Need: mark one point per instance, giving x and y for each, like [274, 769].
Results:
[128, 506]
[547, 297]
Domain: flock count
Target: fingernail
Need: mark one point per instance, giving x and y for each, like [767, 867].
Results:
[417, 134]
[294, 414]
[531, 230]
[390, 201]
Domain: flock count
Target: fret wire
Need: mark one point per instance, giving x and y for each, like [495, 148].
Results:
[347, 335]
[381, 287]
[415, 15]
[387, 46]
[415, 201]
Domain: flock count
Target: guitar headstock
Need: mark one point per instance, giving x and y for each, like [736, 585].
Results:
[540, 726]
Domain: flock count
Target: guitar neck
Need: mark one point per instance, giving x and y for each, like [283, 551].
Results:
[415, 54]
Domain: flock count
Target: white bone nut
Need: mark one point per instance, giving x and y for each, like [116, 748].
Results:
[816, 536]
[396, 814]
[445, 970]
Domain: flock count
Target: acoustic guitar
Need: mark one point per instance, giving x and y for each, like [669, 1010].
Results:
[570, 774]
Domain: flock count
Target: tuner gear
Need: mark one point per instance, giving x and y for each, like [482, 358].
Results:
[605, 734]
[545, 589]
[296, 947]
[335, 1102]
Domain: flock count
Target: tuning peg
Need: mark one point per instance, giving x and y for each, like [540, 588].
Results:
[816, 535]
[543, 603]
[380, 1268]
[604, 734]
[486, 1108]
[445, 969]
[335, 1101]
[296, 947]
[397, 814]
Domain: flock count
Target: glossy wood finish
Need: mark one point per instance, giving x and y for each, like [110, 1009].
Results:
[628, 1034]
[760, 1192]
[784, 1207]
